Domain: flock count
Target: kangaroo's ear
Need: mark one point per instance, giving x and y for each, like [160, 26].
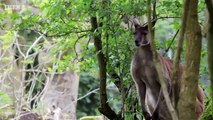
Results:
[145, 25]
[137, 26]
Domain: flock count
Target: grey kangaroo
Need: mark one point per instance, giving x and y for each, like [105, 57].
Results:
[146, 79]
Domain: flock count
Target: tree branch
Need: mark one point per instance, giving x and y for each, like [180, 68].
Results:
[154, 14]
[88, 94]
[66, 33]
[166, 17]
[76, 53]
[171, 42]
[175, 72]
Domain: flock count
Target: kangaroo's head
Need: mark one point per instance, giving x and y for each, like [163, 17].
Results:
[141, 35]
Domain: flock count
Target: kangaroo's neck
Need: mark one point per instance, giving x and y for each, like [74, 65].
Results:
[145, 53]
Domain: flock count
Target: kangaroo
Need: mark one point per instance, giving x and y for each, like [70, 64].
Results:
[146, 79]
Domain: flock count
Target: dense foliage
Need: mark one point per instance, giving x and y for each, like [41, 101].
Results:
[66, 23]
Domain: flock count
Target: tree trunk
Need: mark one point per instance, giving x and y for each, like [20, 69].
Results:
[104, 106]
[189, 85]
[175, 79]
[209, 4]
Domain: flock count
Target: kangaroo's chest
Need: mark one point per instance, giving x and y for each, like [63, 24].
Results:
[144, 71]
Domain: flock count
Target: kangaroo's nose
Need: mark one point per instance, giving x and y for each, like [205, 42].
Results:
[137, 43]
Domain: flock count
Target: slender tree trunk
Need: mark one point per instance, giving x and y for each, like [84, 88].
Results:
[209, 4]
[102, 62]
[104, 106]
[175, 72]
[189, 85]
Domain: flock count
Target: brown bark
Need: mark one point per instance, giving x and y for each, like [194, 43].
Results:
[175, 82]
[104, 106]
[189, 85]
[209, 4]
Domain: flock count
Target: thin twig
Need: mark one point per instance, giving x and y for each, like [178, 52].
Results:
[76, 53]
[17, 45]
[171, 42]
[90, 38]
[89, 93]
[154, 14]
[49, 79]
[5, 106]
[66, 33]
[167, 17]
[34, 44]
